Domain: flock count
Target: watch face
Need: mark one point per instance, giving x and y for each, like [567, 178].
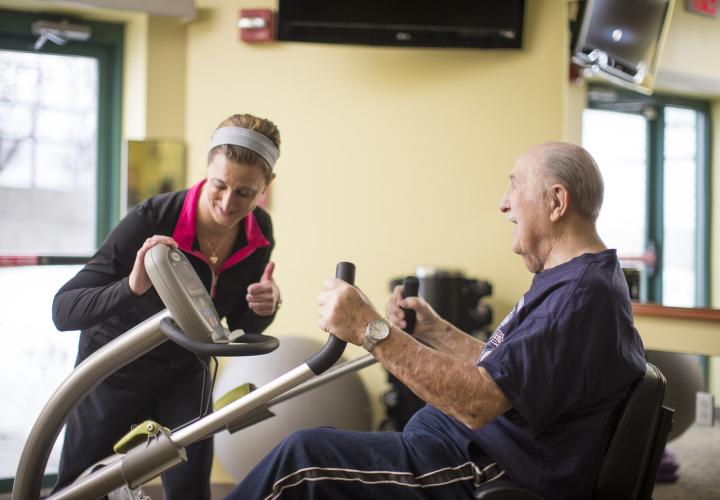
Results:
[379, 329]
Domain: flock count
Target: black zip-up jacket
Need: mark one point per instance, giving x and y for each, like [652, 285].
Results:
[98, 300]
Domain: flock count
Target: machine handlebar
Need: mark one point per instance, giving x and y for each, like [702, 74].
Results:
[249, 344]
[334, 347]
[411, 286]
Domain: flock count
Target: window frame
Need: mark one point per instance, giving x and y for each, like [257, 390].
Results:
[604, 97]
[106, 46]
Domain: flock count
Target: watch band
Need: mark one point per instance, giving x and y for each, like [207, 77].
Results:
[368, 344]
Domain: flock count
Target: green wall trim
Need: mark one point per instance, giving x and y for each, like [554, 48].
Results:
[704, 213]
[655, 201]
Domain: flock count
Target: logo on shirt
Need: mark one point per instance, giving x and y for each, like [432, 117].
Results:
[498, 335]
[495, 340]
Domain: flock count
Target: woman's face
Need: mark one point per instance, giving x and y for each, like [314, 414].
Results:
[232, 190]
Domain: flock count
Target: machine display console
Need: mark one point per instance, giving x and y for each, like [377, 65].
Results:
[184, 294]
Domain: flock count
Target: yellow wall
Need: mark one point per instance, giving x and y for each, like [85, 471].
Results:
[576, 103]
[676, 335]
[166, 78]
[688, 43]
[391, 158]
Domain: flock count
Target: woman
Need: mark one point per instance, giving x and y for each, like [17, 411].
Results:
[228, 239]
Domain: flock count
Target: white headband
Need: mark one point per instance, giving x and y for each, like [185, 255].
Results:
[255, 141]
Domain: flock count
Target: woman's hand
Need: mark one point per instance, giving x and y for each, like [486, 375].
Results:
[263, 296]
[427, 322]
[139, 280]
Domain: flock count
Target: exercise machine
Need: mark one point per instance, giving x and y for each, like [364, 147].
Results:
[410, 289]
[150, 449]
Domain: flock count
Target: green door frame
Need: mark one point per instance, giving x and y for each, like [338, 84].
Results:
[105, 45]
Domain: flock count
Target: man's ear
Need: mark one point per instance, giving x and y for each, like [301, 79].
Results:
[559, 201]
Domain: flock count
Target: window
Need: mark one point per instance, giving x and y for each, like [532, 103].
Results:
[681, 271]
[652, 152]
[59, 197]
[48, 153]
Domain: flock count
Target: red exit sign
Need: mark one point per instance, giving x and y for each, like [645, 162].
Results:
[704, 7]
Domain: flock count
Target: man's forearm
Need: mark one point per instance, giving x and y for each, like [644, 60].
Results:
[451, 340]
[453, 385]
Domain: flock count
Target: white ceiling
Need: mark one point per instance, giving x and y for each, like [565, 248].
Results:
[180, 8]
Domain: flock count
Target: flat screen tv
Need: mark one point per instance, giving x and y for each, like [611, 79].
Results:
[621, 40]
[413, 23]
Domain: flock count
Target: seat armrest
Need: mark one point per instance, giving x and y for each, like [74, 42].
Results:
[504, 489]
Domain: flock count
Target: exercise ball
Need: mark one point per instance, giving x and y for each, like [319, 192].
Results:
[341, 403]
[684, 379]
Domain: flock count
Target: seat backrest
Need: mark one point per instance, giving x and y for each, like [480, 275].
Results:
[633, 457]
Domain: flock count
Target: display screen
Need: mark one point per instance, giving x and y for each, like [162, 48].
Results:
[405, 13]
[621, 40]
[398, 22]
[625, 29]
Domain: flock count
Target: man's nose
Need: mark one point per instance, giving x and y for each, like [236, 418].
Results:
[505, 203]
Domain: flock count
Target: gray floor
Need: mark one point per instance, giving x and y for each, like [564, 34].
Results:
[698, 452]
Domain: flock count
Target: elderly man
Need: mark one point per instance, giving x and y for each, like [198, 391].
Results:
[536, 403]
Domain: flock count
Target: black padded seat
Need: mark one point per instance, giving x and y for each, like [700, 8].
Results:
[633, 456]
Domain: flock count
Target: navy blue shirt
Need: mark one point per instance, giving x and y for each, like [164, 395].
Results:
[565, 357]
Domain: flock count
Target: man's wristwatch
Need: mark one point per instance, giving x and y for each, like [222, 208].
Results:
[376, 332]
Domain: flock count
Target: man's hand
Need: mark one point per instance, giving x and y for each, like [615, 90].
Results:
[344, 311]
[139, 280]
[427, 322]
[263, 296]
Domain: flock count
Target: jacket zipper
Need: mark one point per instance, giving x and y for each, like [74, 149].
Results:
[213, 284]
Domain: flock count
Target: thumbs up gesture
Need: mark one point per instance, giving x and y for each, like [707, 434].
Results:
[263, 296]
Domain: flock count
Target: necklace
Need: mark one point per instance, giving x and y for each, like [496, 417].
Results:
[213, 257]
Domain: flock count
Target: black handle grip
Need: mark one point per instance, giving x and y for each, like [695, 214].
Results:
[346, 272]
[334, 347]
[411, 287]
[250, 344]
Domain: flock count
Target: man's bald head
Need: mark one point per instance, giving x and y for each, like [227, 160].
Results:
[573, 167]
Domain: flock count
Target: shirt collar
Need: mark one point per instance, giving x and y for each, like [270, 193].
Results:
[185, 232]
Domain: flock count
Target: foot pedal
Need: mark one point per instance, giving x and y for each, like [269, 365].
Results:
[139, 434]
